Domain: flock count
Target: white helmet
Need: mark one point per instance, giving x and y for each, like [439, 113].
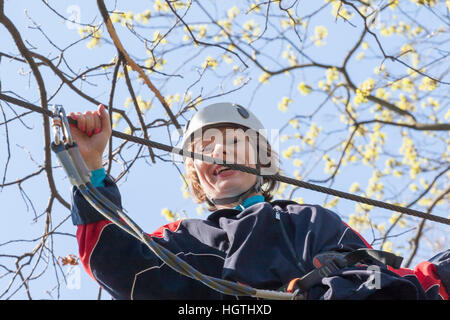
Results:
[221, 114]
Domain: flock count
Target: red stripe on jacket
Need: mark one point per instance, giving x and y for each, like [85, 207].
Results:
[425, 272]
[88, 236]
[427, 275]
[360, 236]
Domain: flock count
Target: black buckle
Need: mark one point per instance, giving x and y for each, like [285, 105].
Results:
[327, 263]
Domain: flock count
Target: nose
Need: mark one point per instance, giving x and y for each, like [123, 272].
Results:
[218, 151]
[224, 152]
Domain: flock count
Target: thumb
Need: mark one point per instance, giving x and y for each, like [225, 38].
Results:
[77, 135]
[104, 118]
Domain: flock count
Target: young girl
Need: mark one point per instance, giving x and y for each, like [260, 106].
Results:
[248, 238]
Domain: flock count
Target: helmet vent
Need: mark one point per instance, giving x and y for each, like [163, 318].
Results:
[244, 113]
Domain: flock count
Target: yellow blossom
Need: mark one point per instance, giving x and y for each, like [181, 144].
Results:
[332, 203]
[312, 134]
[254, 7]
[232, 12]
[115, 17]
[264, 77]
[320, 34]
[250, 29]
[238, 80]
[304, 88]
[289, 152]
[160, 5]
[299, 200]
[393, 4]
[387, 31]
[294, 123]
[210, 62]
[339, 11]
[331, 74]
[427, 84]
[168, 214]
[290, 56]
[354, 187]
[143, 17]
[158, 37]
[91, 31]
[387, 246]
[284, 104]
[360, 56]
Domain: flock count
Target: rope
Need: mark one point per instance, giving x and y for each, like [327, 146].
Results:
[284, 179]
[277, 177]
[69, 157]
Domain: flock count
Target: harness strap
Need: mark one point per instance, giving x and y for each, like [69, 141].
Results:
[330, 262]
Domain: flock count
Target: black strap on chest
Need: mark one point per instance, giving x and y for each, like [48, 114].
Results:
[327, 263]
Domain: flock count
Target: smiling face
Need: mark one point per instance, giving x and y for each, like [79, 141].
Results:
[232, 145]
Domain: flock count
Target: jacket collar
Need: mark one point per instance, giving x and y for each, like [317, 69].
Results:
[249, 202]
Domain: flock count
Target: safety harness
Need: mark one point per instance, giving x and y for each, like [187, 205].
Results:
[73, 164]
[330, 262]
[325, 263]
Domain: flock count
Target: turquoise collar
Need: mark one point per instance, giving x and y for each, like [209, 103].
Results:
[249, 202]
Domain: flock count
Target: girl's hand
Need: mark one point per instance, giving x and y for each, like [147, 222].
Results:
[92, 134]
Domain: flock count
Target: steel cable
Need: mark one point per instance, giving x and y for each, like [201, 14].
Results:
[277, 177]
[284, 179]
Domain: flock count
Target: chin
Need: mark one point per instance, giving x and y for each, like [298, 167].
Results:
[231, 190]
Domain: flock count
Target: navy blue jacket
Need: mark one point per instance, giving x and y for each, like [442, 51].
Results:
[246, 246]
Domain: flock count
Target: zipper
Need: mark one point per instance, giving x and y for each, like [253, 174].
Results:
[278, 216]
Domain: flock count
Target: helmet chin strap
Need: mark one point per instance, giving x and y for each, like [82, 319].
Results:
[244, 195]
[240, 197]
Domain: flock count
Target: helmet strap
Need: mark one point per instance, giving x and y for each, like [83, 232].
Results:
[244, 195]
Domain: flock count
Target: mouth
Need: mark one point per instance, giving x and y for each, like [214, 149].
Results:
[222, 171]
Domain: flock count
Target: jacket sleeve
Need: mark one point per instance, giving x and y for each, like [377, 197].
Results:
[121, 264]
[327, 232]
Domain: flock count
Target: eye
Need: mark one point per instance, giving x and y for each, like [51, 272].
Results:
[234, 141]
[207, 147]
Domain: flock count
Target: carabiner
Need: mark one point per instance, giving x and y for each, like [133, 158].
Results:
[65, 126]
[60, 120]
[56, 124]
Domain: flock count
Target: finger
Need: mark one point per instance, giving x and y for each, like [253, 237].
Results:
[81, 121]
[97, 122]
[76, 133]
[90, 123]
[104, 119]
[72, 116]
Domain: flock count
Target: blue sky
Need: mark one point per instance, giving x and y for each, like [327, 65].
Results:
[148, 188]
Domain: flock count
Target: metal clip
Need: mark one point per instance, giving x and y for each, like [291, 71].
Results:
[60, 120]
[56, 124]
[65, 127]
[67, 150]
